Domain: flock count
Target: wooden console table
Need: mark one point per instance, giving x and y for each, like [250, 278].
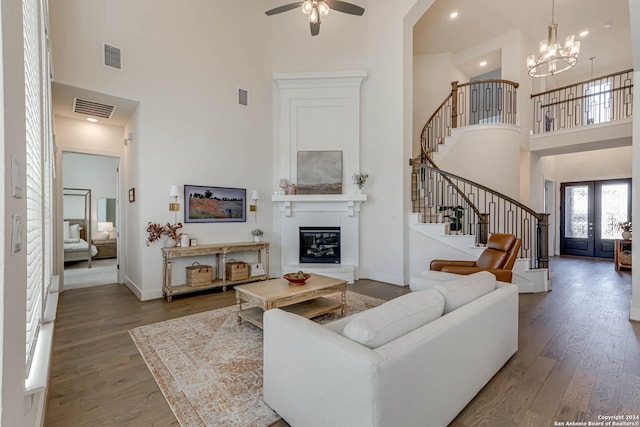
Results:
[220, 280]
[622, 254]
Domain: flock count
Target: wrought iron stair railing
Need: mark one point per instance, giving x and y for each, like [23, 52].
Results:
[485, 211]
[477, 102]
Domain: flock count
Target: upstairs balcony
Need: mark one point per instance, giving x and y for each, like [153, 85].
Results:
[590, 115]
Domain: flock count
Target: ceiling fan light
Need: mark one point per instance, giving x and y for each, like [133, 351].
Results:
[307, 6]
[313, 16]
[323, 8]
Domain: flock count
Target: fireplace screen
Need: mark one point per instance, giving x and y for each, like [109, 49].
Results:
[320, 245]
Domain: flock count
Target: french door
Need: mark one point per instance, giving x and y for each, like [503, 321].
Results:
[591, 212]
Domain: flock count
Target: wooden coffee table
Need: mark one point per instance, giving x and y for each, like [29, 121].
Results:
[306, 300]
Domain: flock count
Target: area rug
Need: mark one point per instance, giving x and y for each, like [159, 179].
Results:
[209, 365]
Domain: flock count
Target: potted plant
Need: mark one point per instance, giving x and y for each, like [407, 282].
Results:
[457, 212]
[359, 179]
[257, 234]
[156, 231]
[626, 229]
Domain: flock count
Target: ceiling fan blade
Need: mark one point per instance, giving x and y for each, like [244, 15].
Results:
[345, 7]
[315, 28]
[284, 8]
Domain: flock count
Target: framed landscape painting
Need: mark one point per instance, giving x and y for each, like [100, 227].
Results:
[319, 172]
[214, 204]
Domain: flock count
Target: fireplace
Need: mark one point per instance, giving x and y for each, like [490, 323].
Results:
[320, 245]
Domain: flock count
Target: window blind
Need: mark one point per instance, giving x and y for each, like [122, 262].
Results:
[38, 164]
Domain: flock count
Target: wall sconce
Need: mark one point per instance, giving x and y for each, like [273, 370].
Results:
[254, 206]
[174, 206]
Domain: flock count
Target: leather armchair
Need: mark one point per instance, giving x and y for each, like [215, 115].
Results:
[498, 259]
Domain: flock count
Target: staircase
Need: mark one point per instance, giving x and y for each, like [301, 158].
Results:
[452, 216]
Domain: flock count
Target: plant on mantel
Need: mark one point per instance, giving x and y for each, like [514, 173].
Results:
[359, 179]
[156, 231]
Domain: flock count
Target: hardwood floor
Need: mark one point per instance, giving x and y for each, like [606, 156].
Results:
[578, 357]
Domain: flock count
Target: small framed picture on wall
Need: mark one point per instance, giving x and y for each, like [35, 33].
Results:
[132, 195]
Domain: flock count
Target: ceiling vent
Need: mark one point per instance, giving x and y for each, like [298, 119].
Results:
[92, 108]
[112, 57]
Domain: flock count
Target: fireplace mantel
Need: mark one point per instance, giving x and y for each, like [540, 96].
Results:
[349, 203]
[314, 210]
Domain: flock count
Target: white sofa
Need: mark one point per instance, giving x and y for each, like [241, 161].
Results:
[314, 375]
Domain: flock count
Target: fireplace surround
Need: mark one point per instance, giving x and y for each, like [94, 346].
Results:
[339, 211]
[319, 245]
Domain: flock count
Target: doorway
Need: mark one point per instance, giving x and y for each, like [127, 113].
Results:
[591, 213]
[97, 216]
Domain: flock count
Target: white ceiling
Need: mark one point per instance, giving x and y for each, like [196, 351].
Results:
[62, 97]
[479, 21]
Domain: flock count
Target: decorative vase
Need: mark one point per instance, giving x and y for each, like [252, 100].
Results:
[257, 238]
[170, 243]
[626, 235]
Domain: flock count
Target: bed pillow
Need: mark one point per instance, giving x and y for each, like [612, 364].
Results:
[382, 324]
[74, 234]
[66, 230]
[74, 231]
[460, 291]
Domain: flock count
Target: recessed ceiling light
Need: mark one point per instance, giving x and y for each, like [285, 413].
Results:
[483, 63]
[91, 119]
[453, 15]
[584, 33]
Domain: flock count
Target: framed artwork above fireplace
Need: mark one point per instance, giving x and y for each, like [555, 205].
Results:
[319, 172]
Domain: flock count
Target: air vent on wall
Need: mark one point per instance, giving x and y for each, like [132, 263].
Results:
[112, 56]
[92, 108]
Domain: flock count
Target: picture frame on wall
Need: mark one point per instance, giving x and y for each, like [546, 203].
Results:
[319, 172]
[214, 204]
[132, 195]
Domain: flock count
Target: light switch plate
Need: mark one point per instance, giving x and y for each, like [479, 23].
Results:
[16, 234]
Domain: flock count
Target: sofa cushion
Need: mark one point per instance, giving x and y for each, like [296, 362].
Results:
[460, 291]
[379, 325]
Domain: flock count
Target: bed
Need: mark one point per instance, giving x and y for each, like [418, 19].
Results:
[76, 247]
[76, 230]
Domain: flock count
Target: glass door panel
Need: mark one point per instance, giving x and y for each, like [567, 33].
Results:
[613, 206]
[577, 224]
[591, 214]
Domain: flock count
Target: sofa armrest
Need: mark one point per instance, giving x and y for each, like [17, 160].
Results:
[502, 275]
[438, 264]
[307, 368]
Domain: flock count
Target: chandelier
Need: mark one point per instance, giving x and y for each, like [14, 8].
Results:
[553, 58]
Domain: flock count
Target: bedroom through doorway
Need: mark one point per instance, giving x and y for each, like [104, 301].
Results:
[90, 224]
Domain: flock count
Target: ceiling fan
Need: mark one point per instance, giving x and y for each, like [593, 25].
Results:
[317, 8]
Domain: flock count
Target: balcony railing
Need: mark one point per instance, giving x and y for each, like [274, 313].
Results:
[599, 100]
[472, 103]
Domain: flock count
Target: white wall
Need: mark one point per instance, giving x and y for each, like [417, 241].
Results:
[189, 128]
[15, 408]
[634, 16]
[485, 154]
[432, 77]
